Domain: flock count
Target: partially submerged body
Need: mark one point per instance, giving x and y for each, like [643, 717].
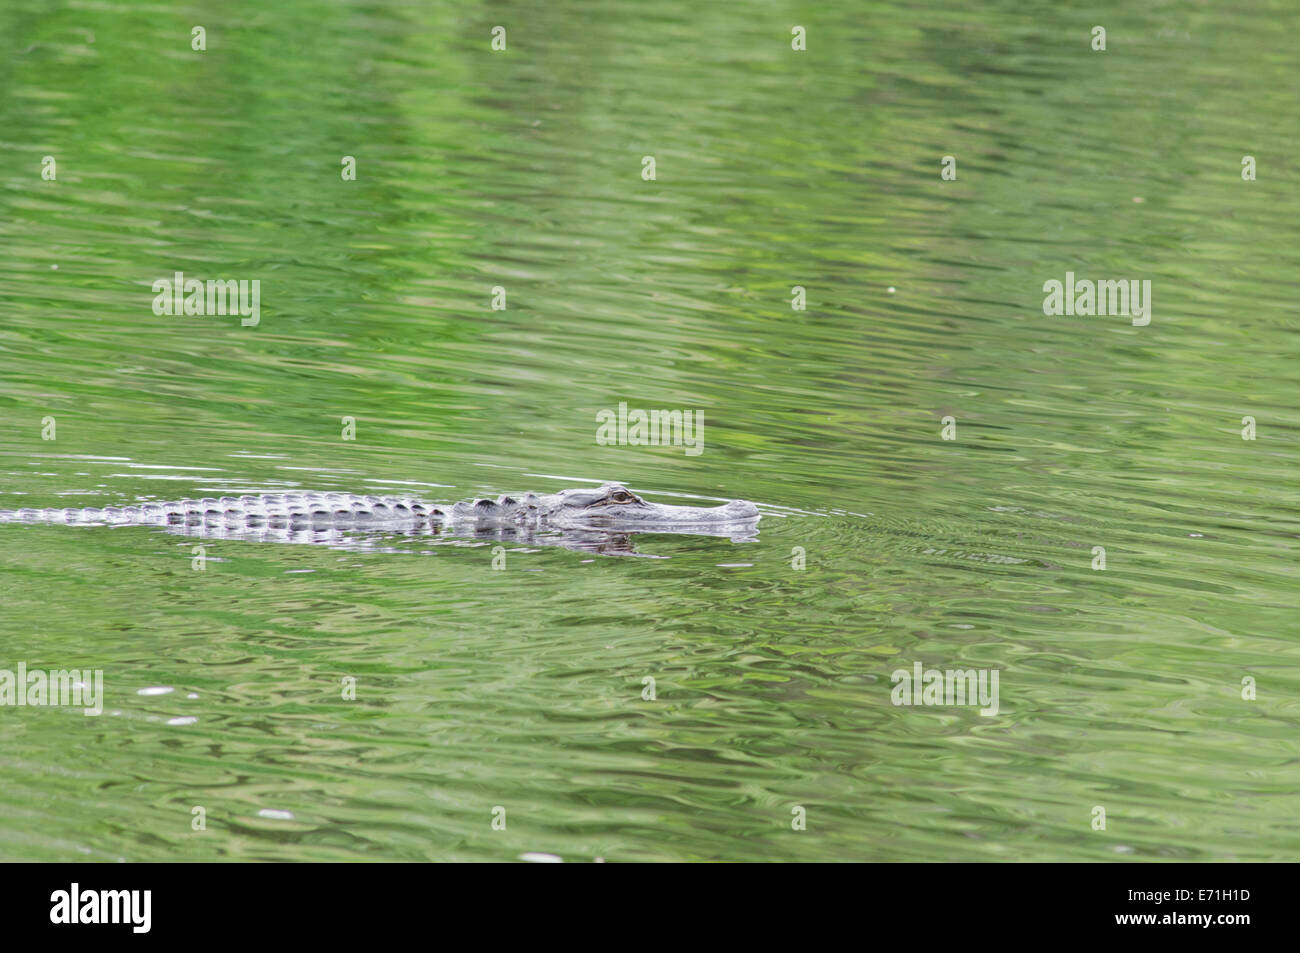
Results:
[591, 519]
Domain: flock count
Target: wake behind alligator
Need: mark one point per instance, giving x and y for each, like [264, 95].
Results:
[600, 519]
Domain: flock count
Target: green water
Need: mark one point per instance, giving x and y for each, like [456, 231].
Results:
[521, 688]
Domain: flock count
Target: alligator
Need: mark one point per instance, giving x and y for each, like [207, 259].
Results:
[597, 519]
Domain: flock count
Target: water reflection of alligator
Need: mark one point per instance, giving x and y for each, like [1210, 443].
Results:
[599, 519]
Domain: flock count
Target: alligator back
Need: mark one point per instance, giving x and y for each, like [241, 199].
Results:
[272, 509]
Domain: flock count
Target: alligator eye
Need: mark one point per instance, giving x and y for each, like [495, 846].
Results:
[622, 497]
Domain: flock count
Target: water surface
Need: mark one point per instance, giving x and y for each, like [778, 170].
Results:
[522, 687]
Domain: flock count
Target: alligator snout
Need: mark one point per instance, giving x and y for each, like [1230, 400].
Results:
[662, 514]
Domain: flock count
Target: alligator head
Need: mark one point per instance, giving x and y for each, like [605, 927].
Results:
[600, 519]
[612, 506]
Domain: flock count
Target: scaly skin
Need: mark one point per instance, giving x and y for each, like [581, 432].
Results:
[276, 509]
